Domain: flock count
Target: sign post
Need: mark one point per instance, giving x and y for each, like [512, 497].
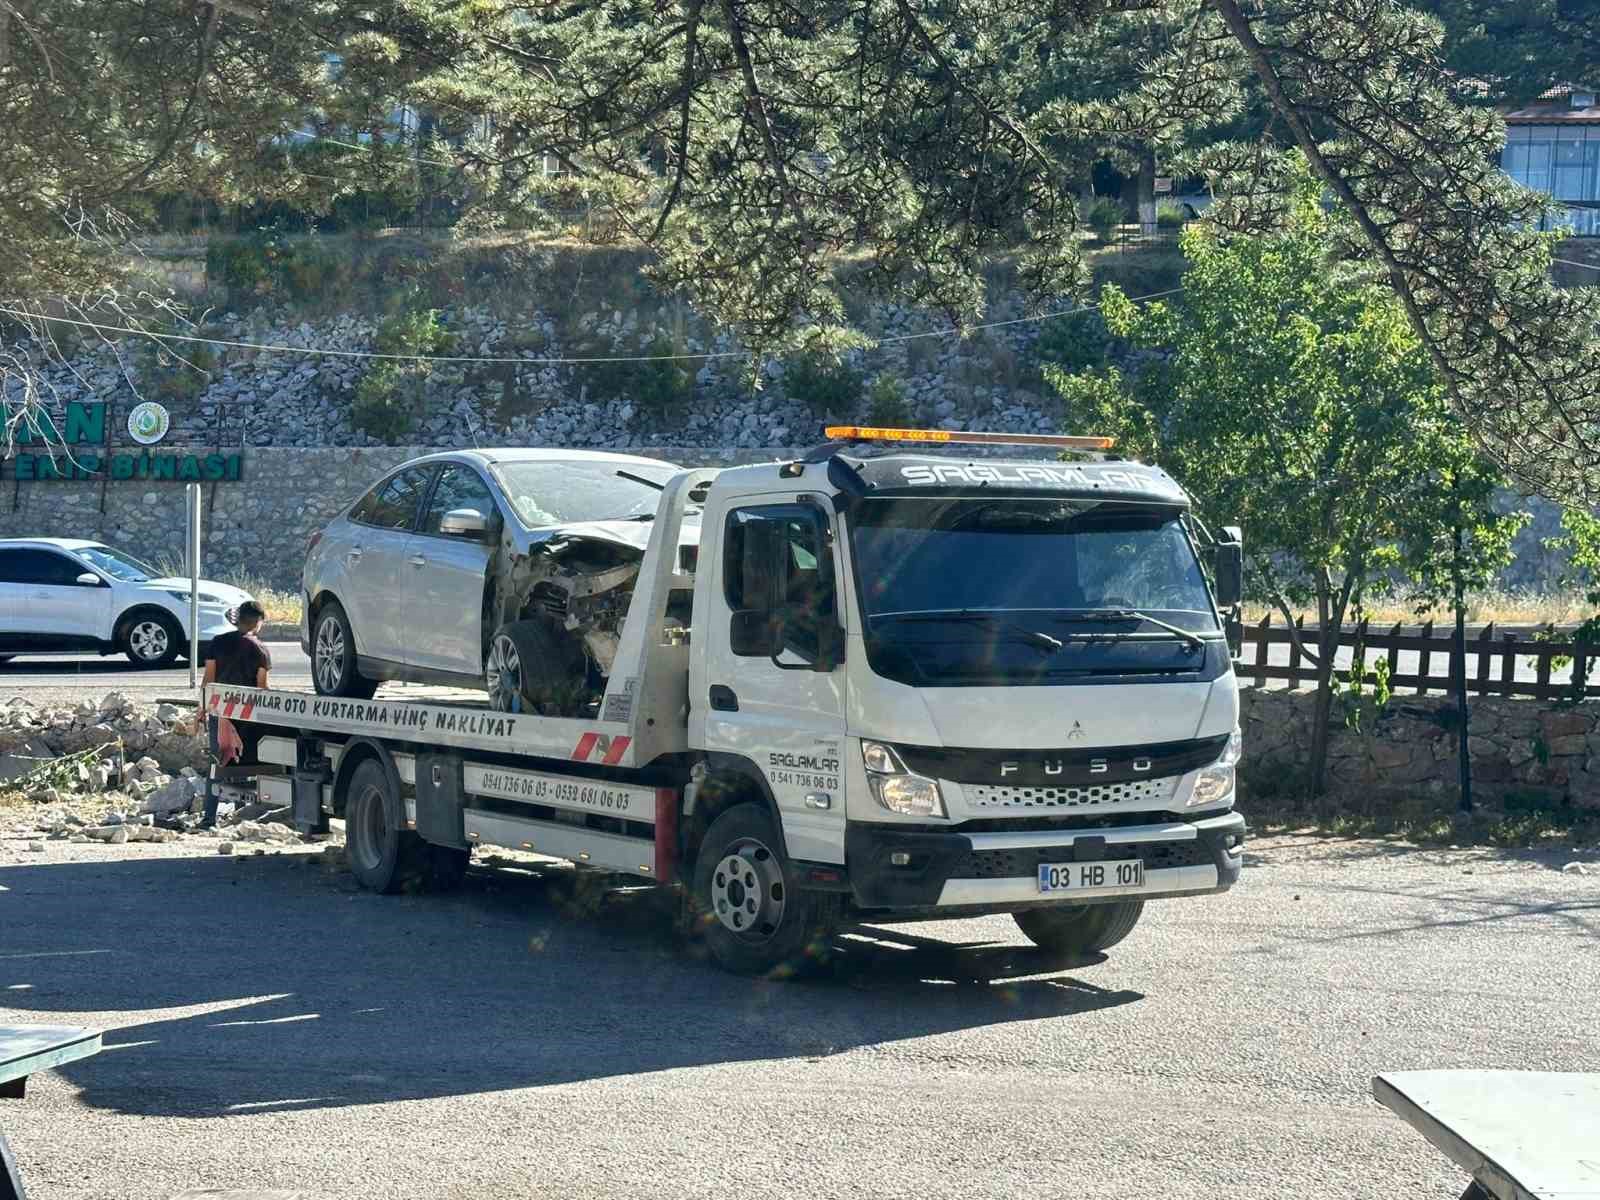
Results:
[192, 548]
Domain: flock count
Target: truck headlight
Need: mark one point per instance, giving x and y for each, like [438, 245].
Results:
[1215, 784]
[896, 788]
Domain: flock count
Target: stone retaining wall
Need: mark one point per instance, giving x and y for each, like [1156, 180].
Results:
[1523, 748]
[257, 527]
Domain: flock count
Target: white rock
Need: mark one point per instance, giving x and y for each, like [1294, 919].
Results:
[177, 795]
[168, 713]
[225, 848]
[1574, 868]
[36, 847]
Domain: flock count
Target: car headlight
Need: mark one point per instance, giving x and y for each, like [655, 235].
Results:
[205, 597]
[897, 789]
[1215, 784]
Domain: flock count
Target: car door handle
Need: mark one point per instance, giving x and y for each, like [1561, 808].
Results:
[723, 698]
[416, 560]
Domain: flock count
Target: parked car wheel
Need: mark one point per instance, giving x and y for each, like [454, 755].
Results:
[333, 656]
[534, 667]
[1079, 928]
[150, 639]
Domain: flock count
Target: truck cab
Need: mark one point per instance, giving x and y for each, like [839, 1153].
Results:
[971, 685]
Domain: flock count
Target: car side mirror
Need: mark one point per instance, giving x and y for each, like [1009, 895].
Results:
[464, 523]
[1230, 568]
[754, 633]
[88, 579]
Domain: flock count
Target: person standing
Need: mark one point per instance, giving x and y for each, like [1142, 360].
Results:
[240, 659]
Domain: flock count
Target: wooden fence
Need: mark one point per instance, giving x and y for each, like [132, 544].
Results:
[1492, 657]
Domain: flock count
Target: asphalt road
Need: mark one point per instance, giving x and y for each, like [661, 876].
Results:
[268, 1026]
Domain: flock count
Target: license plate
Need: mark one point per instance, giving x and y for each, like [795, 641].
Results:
[1091, 876]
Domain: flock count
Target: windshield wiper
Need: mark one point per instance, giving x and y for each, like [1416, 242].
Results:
[649, 483]
[1130, 614]
[1021, 633]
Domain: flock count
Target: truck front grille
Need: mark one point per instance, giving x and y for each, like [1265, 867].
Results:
[1013, 864]
[1142, 793]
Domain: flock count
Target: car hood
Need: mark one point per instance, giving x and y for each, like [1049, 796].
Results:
[623, 533]
[227, 593]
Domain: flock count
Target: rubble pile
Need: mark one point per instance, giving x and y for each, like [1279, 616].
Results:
[116, 726]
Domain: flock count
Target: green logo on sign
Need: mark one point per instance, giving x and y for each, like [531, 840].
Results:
[148, 423]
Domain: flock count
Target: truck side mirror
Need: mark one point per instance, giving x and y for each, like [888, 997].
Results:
[1230, 568]
[754, 634]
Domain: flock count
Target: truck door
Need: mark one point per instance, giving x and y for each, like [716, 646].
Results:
[775, 675]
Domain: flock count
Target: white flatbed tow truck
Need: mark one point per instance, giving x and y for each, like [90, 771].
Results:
[892, 686]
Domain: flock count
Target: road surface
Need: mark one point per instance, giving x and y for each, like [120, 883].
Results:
[270, 1027]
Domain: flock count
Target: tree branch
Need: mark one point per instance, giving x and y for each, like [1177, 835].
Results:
[756, 103]
[691, 45]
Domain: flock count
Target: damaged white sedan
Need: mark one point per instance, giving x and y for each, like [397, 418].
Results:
[508, 570]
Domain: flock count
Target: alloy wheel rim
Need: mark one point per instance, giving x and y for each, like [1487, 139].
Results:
[747, 890]
[148, 640]
[504, 675]
[330, 654]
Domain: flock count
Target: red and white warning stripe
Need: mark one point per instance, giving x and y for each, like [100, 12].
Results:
[232, 708]
[611, 747]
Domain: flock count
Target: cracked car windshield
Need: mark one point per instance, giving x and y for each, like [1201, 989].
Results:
[1007, 589]
[567, 493]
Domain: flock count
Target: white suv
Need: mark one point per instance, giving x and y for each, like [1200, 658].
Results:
[63, 594]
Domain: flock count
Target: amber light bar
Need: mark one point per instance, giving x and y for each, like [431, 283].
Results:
[869, 433]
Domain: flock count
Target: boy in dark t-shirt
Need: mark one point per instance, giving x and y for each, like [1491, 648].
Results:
[238, 658]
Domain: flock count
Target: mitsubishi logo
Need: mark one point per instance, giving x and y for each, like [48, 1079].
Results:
[1076, 732]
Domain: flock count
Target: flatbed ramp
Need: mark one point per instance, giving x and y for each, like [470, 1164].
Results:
[1521, 1135]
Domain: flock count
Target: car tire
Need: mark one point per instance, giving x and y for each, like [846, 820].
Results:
[151, 640]
[384, 856]
[533, 667]
[745, 905]
[1079, 928]
[333, 656]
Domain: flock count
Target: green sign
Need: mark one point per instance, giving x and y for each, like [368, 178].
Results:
[189, 468]
[84, 424]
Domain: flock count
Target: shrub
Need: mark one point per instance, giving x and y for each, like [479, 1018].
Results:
[269, 263]
[413, 330]
[1075, 341]
[822, 382]
[385, 406]
[661, 386]
[1171, 216]
[1104, 216]
[169, 371]
[886, 403]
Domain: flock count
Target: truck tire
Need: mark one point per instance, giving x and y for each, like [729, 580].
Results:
[746, 906]
[384, 855]
[333, 656]
[150, 639]
[1079, 928]
[534, 667]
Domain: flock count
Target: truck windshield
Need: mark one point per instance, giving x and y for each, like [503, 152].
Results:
[996, 589]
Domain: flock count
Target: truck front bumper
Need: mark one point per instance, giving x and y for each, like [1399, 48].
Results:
[890, 867]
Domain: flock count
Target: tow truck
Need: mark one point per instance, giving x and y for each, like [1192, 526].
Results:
[894, 684]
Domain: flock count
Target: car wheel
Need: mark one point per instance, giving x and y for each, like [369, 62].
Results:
[533, 667]
[151, 640]
[1079, 928]
[333, 656]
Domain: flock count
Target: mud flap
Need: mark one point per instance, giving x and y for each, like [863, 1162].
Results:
[440, 800]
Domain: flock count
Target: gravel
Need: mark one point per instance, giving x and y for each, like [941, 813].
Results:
[269, 1025]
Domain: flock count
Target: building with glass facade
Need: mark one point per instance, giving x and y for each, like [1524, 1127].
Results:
[1553, 146]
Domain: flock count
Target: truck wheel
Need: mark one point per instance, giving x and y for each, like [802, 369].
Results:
[535, 668]
[384, 855]
[151, 640]
[754, 920]
[333, 656]
[1079, 928]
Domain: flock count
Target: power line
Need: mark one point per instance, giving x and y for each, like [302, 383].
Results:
[1572, 262]
[327, 352]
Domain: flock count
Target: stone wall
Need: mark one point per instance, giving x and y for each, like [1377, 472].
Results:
[1525, 748]
[256, 528]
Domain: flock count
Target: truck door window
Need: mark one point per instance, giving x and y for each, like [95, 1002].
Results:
[776, 562]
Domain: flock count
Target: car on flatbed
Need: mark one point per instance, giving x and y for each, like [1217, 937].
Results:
[507, 570]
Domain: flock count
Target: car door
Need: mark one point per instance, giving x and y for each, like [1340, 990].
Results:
[374, 556]
[444, 574]
[53, 605]
[11, 635]
[776, 710]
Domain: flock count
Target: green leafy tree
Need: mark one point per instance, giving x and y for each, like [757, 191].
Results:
[1298, 402]
[1514, 51]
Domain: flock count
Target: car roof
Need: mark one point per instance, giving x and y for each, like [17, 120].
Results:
[516, 454]
[53, 543]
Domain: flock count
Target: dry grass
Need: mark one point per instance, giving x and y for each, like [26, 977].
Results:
[1501, 607]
